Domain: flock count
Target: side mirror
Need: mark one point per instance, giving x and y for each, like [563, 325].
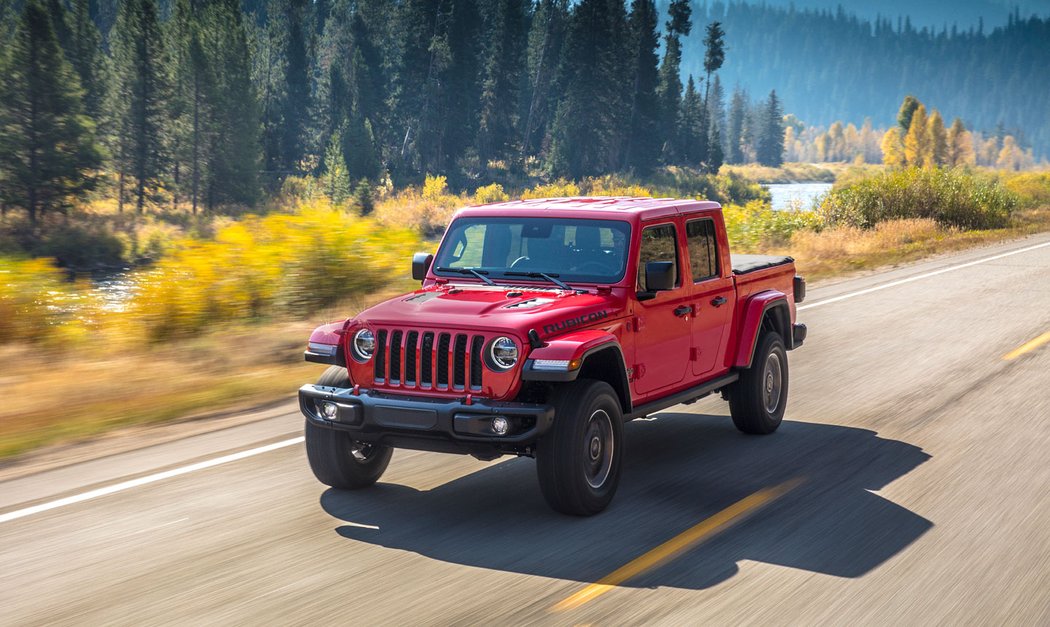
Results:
[659, 275]
[421, 265]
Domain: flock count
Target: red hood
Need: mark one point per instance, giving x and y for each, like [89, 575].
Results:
[497, 308]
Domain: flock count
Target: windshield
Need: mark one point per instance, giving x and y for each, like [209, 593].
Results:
[580, 250]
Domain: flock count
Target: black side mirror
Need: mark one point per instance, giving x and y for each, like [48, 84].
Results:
[659, 275]
[421, 265]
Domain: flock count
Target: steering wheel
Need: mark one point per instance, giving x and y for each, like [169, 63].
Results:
[519, 260]
[596, 267]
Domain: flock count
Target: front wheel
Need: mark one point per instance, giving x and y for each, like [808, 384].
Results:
[336, 459]
[579, 460]
[758, 399]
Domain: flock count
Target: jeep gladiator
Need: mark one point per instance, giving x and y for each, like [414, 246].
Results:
[540, 327]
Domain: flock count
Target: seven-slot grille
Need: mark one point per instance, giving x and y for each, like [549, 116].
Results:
[428, 359]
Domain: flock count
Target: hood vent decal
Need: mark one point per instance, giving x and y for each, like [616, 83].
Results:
[422, 298]
[529, 303]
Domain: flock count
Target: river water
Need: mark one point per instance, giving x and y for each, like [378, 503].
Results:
[796, 195]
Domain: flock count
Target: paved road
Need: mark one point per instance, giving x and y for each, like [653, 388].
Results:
[909, 484]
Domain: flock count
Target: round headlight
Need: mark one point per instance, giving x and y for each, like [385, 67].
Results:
[364, 345]
[504, 353]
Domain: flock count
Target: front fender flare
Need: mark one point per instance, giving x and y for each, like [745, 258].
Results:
[580, 346]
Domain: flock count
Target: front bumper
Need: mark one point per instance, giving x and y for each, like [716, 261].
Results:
[428, 424]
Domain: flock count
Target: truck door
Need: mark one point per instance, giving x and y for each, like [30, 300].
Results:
[662, 319]
[713, 296]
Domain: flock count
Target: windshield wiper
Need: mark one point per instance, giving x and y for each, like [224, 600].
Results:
[478, 273]
[553, 278]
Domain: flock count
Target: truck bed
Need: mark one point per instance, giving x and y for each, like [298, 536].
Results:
[743, 264]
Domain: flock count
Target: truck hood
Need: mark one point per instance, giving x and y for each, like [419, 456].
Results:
[514, 309]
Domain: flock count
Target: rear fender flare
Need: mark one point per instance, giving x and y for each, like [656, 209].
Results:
[770, 304]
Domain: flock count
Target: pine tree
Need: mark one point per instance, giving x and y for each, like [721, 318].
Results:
[48, 156]
[505, 50]
[715, 156]
[200, 86]
[140, 60]
[692, 136]
[938, 141]
[960, 145]
[670, 90]
[907, 110]
[586, 130]
[88, 59]
[60, 23]
[546, 38]
[643, 146]
[893, 148]
[295, 105]
[771, 140]
[917, 144]
[735, 138]
[358, 146]
[336, 179]
[714, 56]
[235, 150]
[716, 109]
[437, 89]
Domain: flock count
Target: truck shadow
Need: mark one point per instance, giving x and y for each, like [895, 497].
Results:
[680, 469]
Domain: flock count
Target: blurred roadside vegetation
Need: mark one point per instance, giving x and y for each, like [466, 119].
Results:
[218, 307]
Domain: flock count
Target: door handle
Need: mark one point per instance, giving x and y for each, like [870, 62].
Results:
[718, 302]
[684, 310]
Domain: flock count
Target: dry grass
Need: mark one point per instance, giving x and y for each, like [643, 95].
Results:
[97, 388]
[841, 250]
[787, 173]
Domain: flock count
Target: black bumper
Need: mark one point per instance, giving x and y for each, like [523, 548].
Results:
[427, 424]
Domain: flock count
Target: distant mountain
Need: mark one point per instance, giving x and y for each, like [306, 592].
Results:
[833, 65]
[934, 14]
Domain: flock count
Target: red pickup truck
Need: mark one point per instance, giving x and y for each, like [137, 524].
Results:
[541, 326]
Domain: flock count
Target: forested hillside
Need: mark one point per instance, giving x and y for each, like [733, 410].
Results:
[831, 65]
[218, 104]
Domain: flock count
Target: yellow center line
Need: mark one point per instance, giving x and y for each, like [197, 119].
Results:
[677, 545]
[1028, 346]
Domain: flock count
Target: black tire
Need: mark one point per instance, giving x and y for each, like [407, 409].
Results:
[758, 399]
[579, 461]
[336, 459]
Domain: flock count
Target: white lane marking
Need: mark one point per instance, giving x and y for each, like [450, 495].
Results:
[141, 481]
[920, 277]
[160, 526]
[347, 523]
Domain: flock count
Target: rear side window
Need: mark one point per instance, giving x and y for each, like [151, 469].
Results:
[659, 243]
[703, 249]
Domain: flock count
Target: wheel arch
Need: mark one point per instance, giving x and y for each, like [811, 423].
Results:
[765, 311]
[600, 356]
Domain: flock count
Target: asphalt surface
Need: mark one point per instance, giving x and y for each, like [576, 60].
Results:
[910, 484]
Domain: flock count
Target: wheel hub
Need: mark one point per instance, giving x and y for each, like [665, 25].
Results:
[599, 443]
[772, 374]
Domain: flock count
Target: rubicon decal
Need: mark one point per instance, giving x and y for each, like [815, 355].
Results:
[575, 322]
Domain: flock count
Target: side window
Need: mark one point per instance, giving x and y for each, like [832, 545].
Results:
[659, 243]
[703, 249]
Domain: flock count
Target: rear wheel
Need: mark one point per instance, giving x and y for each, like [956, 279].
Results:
[579, 461]
[336, 459]
[758, 399]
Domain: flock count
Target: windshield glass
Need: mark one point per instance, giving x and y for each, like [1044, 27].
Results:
[586, 251]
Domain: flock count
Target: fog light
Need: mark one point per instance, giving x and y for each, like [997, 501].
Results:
[329, 410]
[500, 425]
